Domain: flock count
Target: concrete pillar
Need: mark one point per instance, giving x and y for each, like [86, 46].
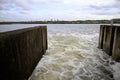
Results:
[108, 39]
[44, 33]
[101, 35]
[20, 51]
[116, 45]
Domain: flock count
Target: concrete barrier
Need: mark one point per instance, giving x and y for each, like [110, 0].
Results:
[109, 40]
[44, 33]
[101, 35]
[20, 51]
[116, 45]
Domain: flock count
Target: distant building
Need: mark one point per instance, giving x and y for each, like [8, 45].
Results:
[117, 20]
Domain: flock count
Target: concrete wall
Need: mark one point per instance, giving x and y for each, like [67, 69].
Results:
[44, 34]
[109, 40]
[101, 35]
[116, 45]
[20, 51]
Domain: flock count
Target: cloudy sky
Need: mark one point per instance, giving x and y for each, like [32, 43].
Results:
[17, 10]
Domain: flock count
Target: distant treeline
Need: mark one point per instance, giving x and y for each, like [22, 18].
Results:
[63, 22]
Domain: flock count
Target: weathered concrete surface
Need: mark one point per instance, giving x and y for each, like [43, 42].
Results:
[116, 45]
[20, 51]
[101, 35]
[44, 33]
[108, 39]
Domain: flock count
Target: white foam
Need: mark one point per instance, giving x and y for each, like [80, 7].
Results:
[73, 57]
[116, 68]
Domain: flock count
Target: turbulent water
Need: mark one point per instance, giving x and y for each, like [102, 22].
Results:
[73, 55]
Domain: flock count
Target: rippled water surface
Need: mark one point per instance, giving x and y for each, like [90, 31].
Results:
[73, 55]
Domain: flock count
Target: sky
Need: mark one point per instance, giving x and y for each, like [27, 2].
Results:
[30, 10]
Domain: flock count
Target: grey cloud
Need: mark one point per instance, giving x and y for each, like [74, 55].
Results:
[99, 7]
[5, 1]
[1, 7]
[28, 4]
[7, 4]
[107, 13]
[24, 12]
[111, 9]
[4, 4]
[115, 5]
[23, 4]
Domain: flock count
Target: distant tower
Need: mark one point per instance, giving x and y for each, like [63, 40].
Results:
[112, 21]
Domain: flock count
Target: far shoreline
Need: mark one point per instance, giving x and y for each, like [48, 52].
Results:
[59, 22]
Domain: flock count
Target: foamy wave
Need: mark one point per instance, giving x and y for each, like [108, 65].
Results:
[73, 57]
